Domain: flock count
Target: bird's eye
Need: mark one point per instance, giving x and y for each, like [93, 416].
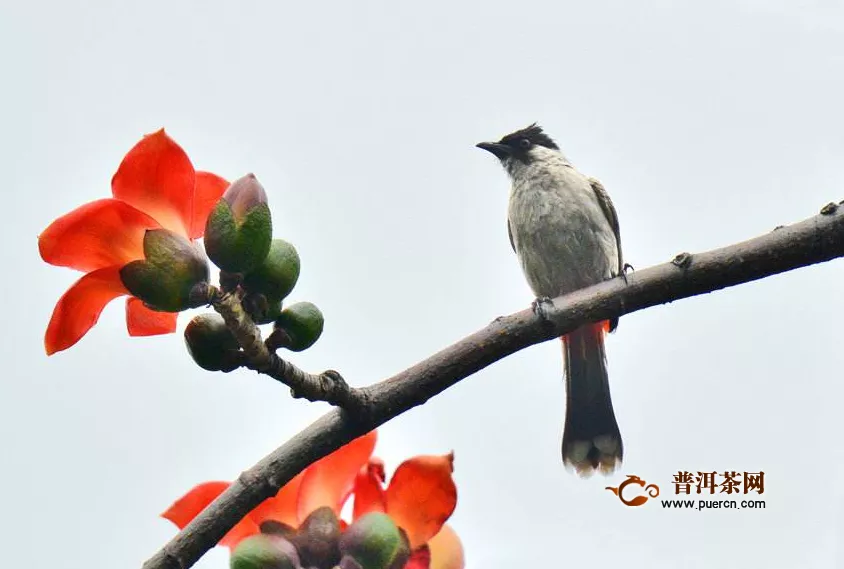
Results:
[525, 143]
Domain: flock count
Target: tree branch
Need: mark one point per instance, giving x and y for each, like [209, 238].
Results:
[814, 240]
[327, 386]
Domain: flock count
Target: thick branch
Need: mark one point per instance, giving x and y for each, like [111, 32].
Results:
[328, 386]
[814, 240]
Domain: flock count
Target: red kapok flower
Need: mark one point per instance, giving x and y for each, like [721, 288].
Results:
[420, 498]
[155, 187]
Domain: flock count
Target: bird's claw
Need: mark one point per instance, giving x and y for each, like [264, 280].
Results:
[540, 307]
[627, 268]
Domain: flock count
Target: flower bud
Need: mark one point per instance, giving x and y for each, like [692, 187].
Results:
[277, 275]
[318, 537]
[171, 268]
[375, 542]
[264, 552]
[276, 528]
[211, 344]
[239, 229]
[302, 323]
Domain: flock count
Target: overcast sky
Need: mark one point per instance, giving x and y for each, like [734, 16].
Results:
[708, 123]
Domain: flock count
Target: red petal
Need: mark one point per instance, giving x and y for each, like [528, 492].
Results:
[282, 507]
[141, 321]
[188, 506]
[191, 504]
[328, 481]
[98, 234]
[369, 491]
[446, 550]
[422, 496]
[157, 177]
[79, 308]
[209, 188]
[419, 559]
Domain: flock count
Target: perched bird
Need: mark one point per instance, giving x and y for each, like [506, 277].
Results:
[564, 230]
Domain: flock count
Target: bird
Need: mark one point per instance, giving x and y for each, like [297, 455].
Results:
[564, 230]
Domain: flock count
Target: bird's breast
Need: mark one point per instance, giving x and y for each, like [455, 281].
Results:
[560, 233]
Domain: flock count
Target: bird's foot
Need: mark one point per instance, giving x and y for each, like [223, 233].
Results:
[627, 268]
[541, 306]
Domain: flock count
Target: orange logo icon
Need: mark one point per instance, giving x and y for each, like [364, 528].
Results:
[652, 491]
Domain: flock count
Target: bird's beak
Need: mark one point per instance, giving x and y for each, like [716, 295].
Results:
[501, 151]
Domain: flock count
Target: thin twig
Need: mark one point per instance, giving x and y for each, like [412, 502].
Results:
[327, 386]
[814, 240]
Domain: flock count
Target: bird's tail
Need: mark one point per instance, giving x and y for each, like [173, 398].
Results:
[591, 439]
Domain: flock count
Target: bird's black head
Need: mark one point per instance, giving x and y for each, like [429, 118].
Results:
[518, 144]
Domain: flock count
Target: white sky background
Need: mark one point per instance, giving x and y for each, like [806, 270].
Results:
[709, 123]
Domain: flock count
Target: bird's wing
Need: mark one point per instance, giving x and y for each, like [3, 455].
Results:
[510, 235]
[612, 217]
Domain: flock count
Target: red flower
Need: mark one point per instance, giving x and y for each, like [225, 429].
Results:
[420, 498]
[154, 187]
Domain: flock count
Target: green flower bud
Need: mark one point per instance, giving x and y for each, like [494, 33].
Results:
[375, 542]
[318, 537]
[171, 269]
[239, 229]
[277, 275]
[211, 344]
[264, 552]
[302, 323]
